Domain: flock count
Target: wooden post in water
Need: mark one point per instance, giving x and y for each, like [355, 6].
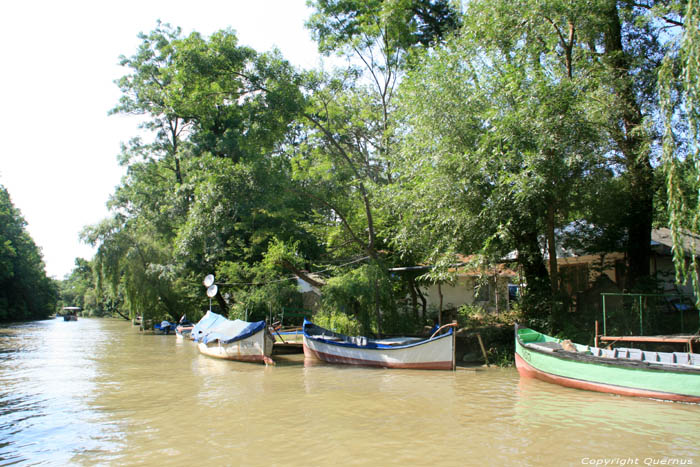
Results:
[483, 349]
[454, 345]
[595, 341]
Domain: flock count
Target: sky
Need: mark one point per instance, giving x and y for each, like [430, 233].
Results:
[58, 146]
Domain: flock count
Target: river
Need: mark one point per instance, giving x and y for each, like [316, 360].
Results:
[98, 392]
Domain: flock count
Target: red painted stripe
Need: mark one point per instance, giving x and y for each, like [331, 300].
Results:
[330, 358]
[528, 371]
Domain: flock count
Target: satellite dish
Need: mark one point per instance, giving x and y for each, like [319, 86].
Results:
[209, 280]
[212, 290]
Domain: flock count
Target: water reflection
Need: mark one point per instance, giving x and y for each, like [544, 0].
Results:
[99, 392]
[625, 426]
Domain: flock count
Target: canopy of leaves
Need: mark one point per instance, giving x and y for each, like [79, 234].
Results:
[26, 292]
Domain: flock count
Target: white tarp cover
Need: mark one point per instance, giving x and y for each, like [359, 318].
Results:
[226, 331]
[204, 324]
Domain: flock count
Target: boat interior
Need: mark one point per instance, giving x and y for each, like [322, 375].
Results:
[669, 358]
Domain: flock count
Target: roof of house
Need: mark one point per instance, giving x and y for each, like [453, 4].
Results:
[662, 241]
[465, 265]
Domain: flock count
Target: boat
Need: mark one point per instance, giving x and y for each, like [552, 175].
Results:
[184, 328]
[164, 327]
[70, 313]
[672, 376]
[202, 327]
[434, 353]
[234, 339]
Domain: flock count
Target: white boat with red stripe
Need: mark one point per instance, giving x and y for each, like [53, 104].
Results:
[434, 353]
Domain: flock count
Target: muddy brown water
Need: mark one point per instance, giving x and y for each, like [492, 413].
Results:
[98, 392]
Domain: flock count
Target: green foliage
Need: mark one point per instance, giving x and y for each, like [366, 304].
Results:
[353, 293]
[510, 140]
[475, 316]
[208, 191]
[256, 291]
[344, 26]
[680, 102]
[339, 321]
[26, 292]
[532, 115]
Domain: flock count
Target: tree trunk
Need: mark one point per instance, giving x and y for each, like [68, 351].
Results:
[440, 309]
[222, 303]
[414, 296]
[629, 137]
[537, 299]
[424, 302]
[552, 250]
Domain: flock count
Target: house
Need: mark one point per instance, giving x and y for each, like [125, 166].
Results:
[578, 272]
[581, 276]
[492, 288]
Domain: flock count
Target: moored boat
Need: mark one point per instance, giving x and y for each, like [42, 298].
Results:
[203, 325]
[236, 340]
[183, 328]
[434, 353]
[164, 327]
[673, 376]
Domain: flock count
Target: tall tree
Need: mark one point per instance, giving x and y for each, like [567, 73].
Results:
[217, 112]
[25, 291]
[680, 100]
[349, 118]
[505, 131]
[152, 91]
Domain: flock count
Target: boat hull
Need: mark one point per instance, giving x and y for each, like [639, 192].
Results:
[608, 375]
[432, 354]
[255, 348]
[183, 331]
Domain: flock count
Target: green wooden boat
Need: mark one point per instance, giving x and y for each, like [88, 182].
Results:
[673, 376]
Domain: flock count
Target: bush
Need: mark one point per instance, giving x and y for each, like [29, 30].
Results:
[338, 322]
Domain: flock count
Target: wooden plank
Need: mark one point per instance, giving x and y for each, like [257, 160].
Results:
[674, 339]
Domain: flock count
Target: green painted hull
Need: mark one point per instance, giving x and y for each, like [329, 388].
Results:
[614, 375]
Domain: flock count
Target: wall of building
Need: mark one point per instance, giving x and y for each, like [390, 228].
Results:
[463, 292]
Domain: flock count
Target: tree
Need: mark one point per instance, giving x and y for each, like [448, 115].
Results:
[680, 101]
[152, 90]
[349, 128]
[218, 113]
[510, 139]
[26, 292]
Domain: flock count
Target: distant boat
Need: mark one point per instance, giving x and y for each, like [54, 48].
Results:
[183, 328]
[164, 327]
[434, 353]
[234, 339]
[673, 376]
[70, 313]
